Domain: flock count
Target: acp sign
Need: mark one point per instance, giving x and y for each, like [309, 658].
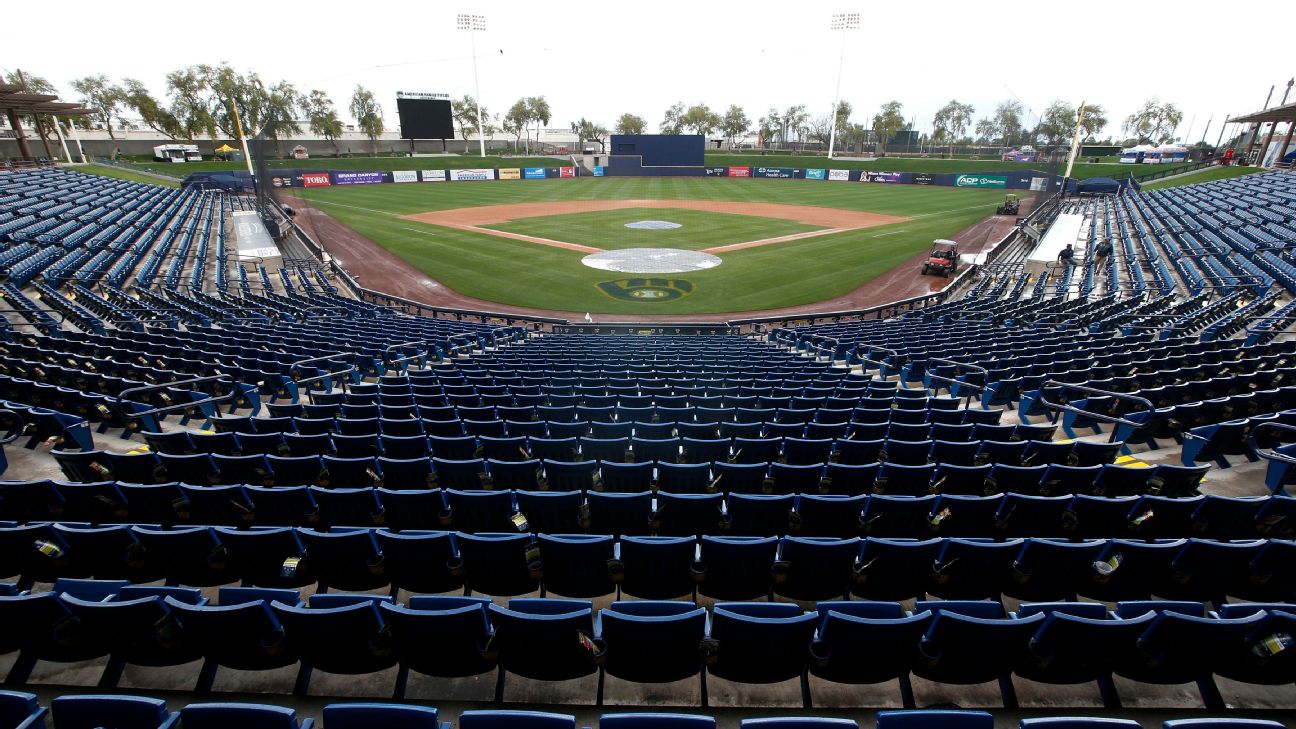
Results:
[981, 181]
[646, 290]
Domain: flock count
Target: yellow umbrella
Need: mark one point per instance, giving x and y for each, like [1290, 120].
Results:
[225, 149]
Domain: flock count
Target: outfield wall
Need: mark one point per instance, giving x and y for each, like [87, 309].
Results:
[347, 178]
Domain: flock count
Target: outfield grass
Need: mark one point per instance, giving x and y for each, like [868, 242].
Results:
[699, 229]
[121, 174]
[1207, 174]
[525, 274]
[359, 163]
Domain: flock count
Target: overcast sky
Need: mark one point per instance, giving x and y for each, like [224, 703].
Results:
[601, 60]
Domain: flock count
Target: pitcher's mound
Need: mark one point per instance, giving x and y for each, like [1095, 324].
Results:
[653, 225]
[651, 260]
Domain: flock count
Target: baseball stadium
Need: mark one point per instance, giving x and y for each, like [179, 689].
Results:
[736, 426]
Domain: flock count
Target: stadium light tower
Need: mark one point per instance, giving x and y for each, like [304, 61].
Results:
[843, 22]
[472, 24]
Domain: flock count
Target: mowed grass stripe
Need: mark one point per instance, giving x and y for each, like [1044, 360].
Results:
[699, 229]
[524, 274]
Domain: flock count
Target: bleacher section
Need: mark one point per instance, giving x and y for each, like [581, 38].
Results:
[242, 469]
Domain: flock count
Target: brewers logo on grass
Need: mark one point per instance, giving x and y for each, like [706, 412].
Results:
[647, 289]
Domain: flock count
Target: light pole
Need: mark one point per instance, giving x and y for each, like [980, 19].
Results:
[842, 22]
[472, 24]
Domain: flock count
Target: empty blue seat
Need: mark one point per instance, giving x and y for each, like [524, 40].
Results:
[437, 635]
[656, 721]
[20, 710]
[504, 719]
[974, 642]
[798, 723]
[653, 641]
[1080, 642]
[241, 631]
[815, 568]
[387, 716]
[934, 719]
[347, 637]
[580, 565]
[760, 643]
[866, 643]
[1078, 722]
[249, 716]
[92, 711]
[545, 639]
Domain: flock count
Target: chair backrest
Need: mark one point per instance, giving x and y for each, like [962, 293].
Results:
[387, 716]
[90, 711]
[503, 719]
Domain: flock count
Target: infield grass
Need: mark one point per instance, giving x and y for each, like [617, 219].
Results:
[526, 274]
[698, 229]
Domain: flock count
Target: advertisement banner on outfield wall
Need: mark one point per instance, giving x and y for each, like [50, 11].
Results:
[357, 178]
[923, 178]
[740, 172]
[882, 177]
[816, 174]
[472, 174]
[510, 173]
[981, 181]
[716, 171]
[566, 171]
[839, 175]
[598, 170]
[404, 176]
[315, 179]
[776, 173]
[533, 173]
[281, 182]
[434, 175]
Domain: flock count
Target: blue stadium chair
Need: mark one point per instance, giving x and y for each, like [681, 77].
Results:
[972, 642]
[1078, 722]
[388, 716]
[619, 514]
[934, 719]
[505, 719]
[545, 639]
[402, 474]
[1222, 723]
[965, 516]
[653, 642]
[735, 568]
[798, 723]
[896, 479]
[273, 557]
[239, 632]
[973, 569]
[894, 568]
[504, 564]
[441, 636]
[656, 721]
[815, 568]
[896, 516]
[624, 478]
[20, 710]
[680, 515]
[1183, 645]
[657, 568]
[828, 516]
[1129, 569]
[1025, 515]
[252, 716]
[967, 480]
[342, 634]
[760, 642]
[304, 470]
[420, 560]
[515, 474]
[867, 643]
[739, 478]
[345, 558]
[478, 511]
[1052, 569]
[755, 515]
[580, 565]
[1080, 642]
[1060, 479]
[191, 556]
[92, 711]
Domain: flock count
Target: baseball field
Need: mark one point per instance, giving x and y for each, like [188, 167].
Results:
[779, 243]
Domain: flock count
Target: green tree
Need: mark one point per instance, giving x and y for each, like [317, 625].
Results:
[187, 88]
[794, 120]
[889, 120]
[986, 130]
[631, 124]
[951, 121]
[1153, 122]
[1056, 124]
[672, 121]
[136, 96]
[515, 121]
[101, 95]
[734, 124]
[323, 117]
[770, 126]
[538, 112]
[368, 115]
[1095, 120]
[1008, 121]
[843, 114]
[699, 119]
[464, 112]
[279, 112]
[586, 130]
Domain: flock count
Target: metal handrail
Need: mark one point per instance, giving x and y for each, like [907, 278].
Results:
[952, 381]
[1271, 455]
[122, 396]
[350, 368]
[879, 363]
[387, 352]
[1043, 400]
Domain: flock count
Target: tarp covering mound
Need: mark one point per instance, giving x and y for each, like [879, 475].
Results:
[237, 181]
[1095, 185]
